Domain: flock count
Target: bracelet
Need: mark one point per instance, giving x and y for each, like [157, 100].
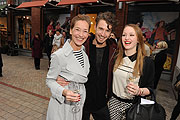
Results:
[138, 92]
[142, 91]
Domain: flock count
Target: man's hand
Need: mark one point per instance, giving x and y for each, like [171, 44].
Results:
[61, 81]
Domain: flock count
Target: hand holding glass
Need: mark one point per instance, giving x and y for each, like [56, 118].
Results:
[75, 87]
[130, 79]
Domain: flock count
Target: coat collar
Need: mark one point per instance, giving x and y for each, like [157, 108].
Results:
[75, 67]
[68, 49]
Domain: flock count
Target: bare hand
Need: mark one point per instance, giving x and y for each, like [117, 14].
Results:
[61, 81]
[133, 89]
[71, 96]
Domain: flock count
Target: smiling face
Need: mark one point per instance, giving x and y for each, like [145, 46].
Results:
[129, 40]
[79, 33]
[103, 31]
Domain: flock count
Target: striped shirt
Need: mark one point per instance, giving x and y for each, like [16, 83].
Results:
[79, 57]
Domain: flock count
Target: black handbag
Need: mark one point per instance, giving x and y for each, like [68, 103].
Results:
[146, 111]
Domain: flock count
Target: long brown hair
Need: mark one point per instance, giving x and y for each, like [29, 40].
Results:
[138, 68]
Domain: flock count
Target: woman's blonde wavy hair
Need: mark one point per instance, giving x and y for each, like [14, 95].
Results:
[138, 68]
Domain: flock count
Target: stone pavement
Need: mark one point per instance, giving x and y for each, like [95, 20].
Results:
[24, 95]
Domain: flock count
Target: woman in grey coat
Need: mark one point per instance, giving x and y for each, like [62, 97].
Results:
[70, 62]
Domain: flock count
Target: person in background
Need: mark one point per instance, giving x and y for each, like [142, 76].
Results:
[147, 48]
[64, 36]
[113, 36]
[159, 33]
[159, 41]
[37, 46]
[48, 44]
[100, 50]
[58, 41]
[139, 24]
[147, 32]
[160, 55]
[1, 64]
[133, 72]
[71, 63]
[58, 26]
[50, 27]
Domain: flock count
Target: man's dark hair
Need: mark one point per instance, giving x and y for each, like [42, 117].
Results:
[109, 17]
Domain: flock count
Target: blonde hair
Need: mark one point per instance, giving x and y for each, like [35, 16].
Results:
[162, 44]
[138, 68]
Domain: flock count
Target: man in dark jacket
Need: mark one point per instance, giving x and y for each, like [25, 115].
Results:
[100, 50]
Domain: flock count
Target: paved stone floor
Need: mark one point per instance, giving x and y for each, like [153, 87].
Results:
[24, 95]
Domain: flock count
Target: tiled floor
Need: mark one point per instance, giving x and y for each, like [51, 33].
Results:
[17, 105]
[19, 71]
[24, 95]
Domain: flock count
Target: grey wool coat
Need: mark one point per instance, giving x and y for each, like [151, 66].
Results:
[64, 63]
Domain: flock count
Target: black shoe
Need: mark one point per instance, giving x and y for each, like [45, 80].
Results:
[1, 75]
[37, 68]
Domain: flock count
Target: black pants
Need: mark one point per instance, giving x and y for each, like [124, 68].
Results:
[102, 114]
[37, 63]
[49, 56]
[176, 109]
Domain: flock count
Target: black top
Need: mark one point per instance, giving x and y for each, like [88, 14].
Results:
[96, 86]
[48, 43]
[99, 55]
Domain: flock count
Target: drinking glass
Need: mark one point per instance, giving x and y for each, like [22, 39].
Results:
[130, 79]
[75, 87]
